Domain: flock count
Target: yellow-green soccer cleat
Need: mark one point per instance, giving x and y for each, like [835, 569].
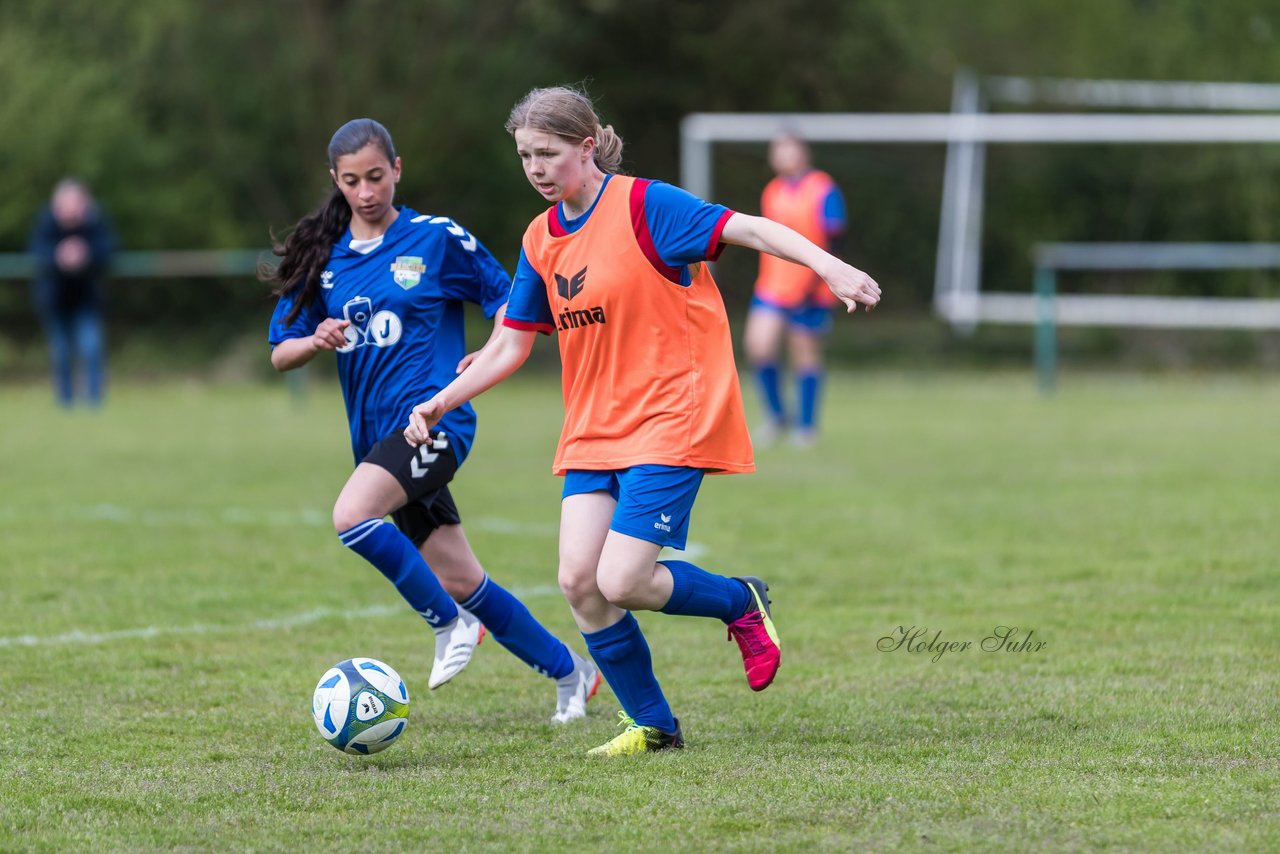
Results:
[638, 739]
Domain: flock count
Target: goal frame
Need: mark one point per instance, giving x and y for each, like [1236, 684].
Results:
[958, 296]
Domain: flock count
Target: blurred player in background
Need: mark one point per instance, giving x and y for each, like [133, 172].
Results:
[72, 244]
[650, 389]
[384, 288]
[791, 301]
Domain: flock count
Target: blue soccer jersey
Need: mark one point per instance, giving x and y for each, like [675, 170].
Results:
[404, 296]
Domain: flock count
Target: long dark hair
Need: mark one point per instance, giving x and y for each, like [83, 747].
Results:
[305, 251]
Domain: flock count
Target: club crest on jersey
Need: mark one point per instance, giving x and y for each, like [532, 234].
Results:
[407, 271]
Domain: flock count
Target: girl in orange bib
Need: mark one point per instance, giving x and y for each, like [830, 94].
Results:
[617, 268]
[790, 301]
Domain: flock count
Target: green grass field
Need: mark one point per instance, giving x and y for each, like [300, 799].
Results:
[171, 590]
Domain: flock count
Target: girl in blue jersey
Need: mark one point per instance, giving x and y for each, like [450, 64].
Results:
[383, 287]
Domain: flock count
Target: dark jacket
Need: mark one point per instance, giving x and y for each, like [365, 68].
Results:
[61, 293]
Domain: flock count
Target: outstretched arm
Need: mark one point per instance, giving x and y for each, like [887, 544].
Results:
[497, 361]
[849, 284]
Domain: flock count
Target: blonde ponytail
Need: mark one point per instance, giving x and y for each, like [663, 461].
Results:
[569, 114]
[608, 149]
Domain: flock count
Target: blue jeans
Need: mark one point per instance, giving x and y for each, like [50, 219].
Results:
[73, 334]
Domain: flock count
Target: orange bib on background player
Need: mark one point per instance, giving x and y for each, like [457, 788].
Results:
[797, 204]
[648, 369]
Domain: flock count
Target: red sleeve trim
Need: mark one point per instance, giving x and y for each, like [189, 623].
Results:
[715, 246]
[528, 326]
[640, 225]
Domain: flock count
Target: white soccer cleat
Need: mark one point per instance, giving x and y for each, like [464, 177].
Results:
[454, 644]
[768, 434]
[573, 691]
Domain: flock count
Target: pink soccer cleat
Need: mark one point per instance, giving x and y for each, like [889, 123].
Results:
[757, 637]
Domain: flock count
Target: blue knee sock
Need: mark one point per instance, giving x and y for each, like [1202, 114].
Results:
[511, 624]
[396, 557]
[810, 393]
[698, 593]
[622, 654]
[771, 391]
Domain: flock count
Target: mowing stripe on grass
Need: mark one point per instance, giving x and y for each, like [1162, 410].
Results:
[299, 518]
[286, 519]
[304, 517]
[80, 636]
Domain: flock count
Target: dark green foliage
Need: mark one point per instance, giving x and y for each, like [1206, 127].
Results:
[204, 124]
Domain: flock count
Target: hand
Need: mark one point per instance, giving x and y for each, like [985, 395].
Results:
[467, 360]
[423, 417]
[330, 335]
[852, 286]
[71, 254]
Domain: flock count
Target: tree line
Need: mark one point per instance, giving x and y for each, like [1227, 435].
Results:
[204, 124]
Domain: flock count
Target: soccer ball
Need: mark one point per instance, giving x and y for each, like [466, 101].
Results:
[360, 706]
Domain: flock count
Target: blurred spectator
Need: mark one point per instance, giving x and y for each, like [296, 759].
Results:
[72, 243]
[791, 301]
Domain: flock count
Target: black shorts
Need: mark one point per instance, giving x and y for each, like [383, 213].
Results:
[425, 473]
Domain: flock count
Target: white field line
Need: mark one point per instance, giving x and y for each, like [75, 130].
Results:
[239, 515]
[692, 551]
[315, 615]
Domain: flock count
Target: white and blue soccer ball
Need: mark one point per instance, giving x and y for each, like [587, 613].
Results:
[360, 705]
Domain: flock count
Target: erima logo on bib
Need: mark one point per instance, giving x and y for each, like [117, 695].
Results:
[574, 318]
[570, 288]
[407, 271]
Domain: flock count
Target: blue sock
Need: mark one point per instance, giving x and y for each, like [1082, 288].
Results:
[396, 557]
[698, 593]
[622, 654]
[810, 392]
[771, 391]
[511, 624]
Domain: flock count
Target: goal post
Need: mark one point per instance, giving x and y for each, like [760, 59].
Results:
[958, 295]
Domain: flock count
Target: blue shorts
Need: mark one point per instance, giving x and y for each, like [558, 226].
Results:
[654, 502]
[806, 317]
